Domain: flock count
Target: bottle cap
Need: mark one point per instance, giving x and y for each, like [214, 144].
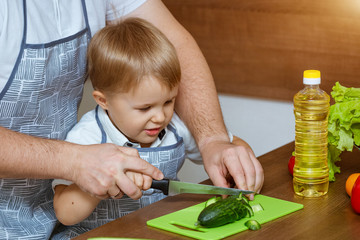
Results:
[311, 77]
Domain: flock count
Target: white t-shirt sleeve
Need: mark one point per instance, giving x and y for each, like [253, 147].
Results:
[119, 8]
[56, 182]
[86, 131]
[191, 148]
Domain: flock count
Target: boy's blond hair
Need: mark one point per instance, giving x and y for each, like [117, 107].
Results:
[121, 55]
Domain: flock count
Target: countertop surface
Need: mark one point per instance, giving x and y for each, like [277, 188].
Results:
[327, 217]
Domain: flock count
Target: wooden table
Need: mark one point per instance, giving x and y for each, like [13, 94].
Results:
[328, 217]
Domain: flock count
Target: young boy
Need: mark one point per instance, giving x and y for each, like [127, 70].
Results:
[135, 73]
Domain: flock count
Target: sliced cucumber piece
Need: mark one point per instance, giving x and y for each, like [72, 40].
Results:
[253, 225]
[257, 208]
[212, 200]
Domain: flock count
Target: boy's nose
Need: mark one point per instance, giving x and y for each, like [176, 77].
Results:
[159, 116]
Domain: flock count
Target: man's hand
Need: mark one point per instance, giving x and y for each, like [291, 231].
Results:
[101, 171]
[223, 159]
[142, 181]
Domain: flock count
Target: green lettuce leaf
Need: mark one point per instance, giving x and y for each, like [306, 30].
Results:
[341, 93]
[333, 156]
[344, 124]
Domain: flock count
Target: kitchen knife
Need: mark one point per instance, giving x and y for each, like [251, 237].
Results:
[172, 187]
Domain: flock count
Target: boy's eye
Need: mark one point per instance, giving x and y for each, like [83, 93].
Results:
[168, 102]
[144, 108]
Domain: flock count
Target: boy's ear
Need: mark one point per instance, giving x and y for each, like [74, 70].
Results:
[100, 99]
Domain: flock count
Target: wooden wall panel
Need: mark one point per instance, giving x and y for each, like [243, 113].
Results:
[260, 48]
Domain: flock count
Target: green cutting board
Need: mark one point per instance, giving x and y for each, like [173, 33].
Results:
[182, 221]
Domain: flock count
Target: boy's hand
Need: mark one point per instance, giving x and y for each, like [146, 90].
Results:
[143, 182]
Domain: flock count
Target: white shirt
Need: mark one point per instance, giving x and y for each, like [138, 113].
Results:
[49, 20]
[87, 131]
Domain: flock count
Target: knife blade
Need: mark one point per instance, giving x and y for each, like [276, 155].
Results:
[172, 187]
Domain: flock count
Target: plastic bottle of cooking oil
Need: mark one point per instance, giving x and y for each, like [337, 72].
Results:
[311, 109]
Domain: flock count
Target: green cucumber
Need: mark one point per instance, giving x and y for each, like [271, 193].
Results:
[225, 211]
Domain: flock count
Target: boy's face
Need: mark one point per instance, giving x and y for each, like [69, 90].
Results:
[143, 112]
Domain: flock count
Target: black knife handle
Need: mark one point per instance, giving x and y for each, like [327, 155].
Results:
[162, 185]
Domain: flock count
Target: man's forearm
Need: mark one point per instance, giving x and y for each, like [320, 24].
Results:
[23, 156]
[197, 102]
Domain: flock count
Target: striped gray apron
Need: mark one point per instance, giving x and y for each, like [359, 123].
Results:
[41, 99]
[168, 159]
